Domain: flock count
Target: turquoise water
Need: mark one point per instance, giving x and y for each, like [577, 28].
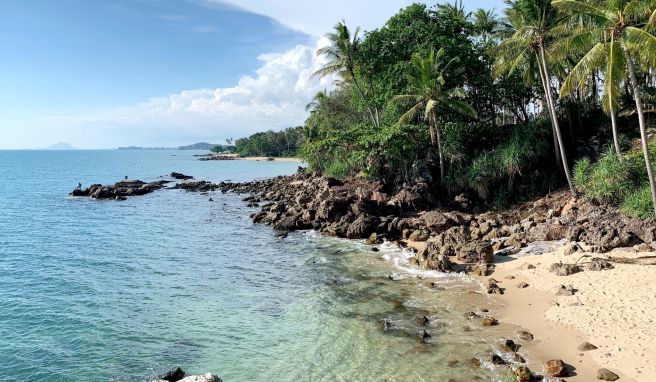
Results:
[119, 291]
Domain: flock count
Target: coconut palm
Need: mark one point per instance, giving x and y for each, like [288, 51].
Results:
[619, 34]
[341, 56]
[486, 24]
[427, 93]
[534, 23]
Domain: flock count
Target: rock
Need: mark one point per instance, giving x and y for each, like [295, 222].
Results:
[508, 346]
[586, 346]
[431, 258]
[606, 375]
[496, 360]
[437, 221]
[489, 321]
[524, 335]
[528, 266]
[572, 248]
[202, 378]
[556, 368]
[565, 290]
[374, 239]
[509, 277]
[493, 288]
[423, 335]
[473, 362]
[481, 270]
[561, 269]
[419, 235]
[173, 375]
[286, 224]
[453, 362]
[471, 315]
[522, 285]
[518, 358]
[362, 227]
[599, 265]
[515, 240]
[179, 176]
[523, 374]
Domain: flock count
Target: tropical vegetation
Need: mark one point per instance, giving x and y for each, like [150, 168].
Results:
[547, 94]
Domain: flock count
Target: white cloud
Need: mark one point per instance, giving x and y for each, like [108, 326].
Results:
[273, 97]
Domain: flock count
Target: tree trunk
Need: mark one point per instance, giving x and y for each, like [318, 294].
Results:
[438, 137]
[547, 90]
[643, 131]
[613, 123]
[554, 117]
[361, 94]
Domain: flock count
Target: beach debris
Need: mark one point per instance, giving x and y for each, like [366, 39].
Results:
[565, 290]
[557, 368]
[561, 269]
[522, 285]
[586, 346]
[524, 335]
[489, 321]
[606, 375]
[572, 248]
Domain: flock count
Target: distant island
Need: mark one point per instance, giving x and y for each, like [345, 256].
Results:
[61, 146]
[195, 146]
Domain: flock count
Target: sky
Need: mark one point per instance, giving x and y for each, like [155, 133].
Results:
[103, 74]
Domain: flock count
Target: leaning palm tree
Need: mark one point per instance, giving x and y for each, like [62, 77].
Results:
[427, 93]
[341, 56]
[534, 23]
[620, 35]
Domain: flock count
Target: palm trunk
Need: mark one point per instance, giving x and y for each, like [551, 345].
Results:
[438, 138]
[554, 117]
[613, 123]
[547, 90]
[641, 121]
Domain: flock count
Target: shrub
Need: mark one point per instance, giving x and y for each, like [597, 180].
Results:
[337, 169]
[638, 204]
[609, 180]
[581, 173]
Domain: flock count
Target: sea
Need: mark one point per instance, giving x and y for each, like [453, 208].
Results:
[126, 290]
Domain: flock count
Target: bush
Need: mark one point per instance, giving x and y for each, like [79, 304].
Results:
[610, 180]
[639, 204]
[337, 169]
[581, 173]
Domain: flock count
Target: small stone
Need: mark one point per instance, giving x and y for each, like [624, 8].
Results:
[471, 315]
[556, 368]
[423, 335]
[599, 265]
[493, 288]
[565, 290]
[509, 277]
[587, 346]
[374, 239]
[561, 269]
[528, 266]
[522, 285]
[453, 362]
[518, 358]
[489, 321]
[481, 270]
[607, 375]
[484, 310]
[473, 362]
[523, 374]
[524, 335]
[496, 360]
[508, 346]
[572, 248]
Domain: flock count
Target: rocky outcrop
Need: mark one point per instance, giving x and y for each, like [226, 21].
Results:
[120, 190]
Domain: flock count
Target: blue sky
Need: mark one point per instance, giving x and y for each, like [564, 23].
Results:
[100, 74]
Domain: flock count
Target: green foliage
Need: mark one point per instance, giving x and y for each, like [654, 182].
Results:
[582, 170]
[337, 169]
[271, 143]
[638, 203]
[609, 180]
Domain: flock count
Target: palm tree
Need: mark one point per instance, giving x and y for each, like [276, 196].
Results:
[620, 32]
[534, 23]
[316, 102]
[427, 93]
[486, 23]
[341, 56]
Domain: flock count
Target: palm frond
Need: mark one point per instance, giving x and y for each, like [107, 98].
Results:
[578, 76]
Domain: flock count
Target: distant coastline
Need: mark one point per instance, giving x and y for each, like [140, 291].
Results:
[195, 146]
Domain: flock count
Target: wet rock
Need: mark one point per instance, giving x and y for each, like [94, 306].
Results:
[374, 239]
[518, 358]
[523, 374]
[286, 224]
[362, 227]
[561, 269]
[173, 375]
[556, 368]
[471, 315]
[606, 375]
[496, 360]
[453, 362]
[424, 335]
[473, 362]
[522, 285]
[481, 270]
[489, 321]
[565, 290]
[586, 346]
[179, 176]
[524, 335]
[508, 346]
[431, 258]
[202, 378]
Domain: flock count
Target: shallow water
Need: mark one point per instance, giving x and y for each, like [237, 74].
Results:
[119, 291]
